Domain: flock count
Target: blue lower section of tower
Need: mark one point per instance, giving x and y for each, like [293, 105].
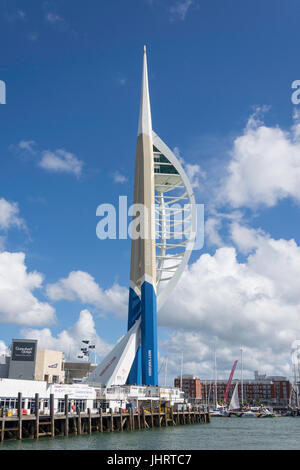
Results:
[149, 335]
[144, 370]
[134, 312]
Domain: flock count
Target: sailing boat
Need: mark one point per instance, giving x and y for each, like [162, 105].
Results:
[235, 401]
[234, 406]
[216, 411]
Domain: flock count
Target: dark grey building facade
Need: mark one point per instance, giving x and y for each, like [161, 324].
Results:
[22, 361]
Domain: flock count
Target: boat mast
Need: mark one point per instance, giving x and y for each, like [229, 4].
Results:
[181, 370]
[208, 396]
[242, 383]
[166, 368]
[297, 390]
[215, 377]
[296, 387]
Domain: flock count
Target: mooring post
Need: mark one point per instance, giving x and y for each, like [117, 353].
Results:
[111, 419]
[20, 416]
[3, 427]
[90, 420]
[79, 420]
[139, 418]
[172, 415]
[74, 421]
[131, 419]
[66, 415]
[101, 420]
[37, 415]
[52, 415]
[143, 417]
[121, 420]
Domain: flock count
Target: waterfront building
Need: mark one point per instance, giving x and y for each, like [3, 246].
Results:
[82, 396]
[49, 366]
[148, 397]
[77, 371]
[272, 390]
[44, 364]
[27, 362]
[23, 359]
[191, 387]
[79, 395]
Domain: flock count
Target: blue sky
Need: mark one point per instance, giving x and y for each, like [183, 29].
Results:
[220, 83]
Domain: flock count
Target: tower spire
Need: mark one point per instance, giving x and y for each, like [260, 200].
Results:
[142, 292]
[145, 121]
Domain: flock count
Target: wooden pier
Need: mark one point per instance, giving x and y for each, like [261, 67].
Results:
[64, 424]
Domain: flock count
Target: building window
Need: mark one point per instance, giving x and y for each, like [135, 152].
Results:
[46, 403]
[80, 404]
[61, 405]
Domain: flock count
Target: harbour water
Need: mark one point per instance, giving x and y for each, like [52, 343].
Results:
[221, 434]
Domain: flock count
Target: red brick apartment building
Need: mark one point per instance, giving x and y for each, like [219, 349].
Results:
[191, 386]
[275, 390]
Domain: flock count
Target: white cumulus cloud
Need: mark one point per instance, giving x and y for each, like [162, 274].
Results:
[264, 166]
[27, 145]
[18, 305]
[61, 161]
[255, 302]
[69, 341]
[119, 177]
[9, 215]
[56, 161]
[3, 348]
[179, 9]
[81, 286]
